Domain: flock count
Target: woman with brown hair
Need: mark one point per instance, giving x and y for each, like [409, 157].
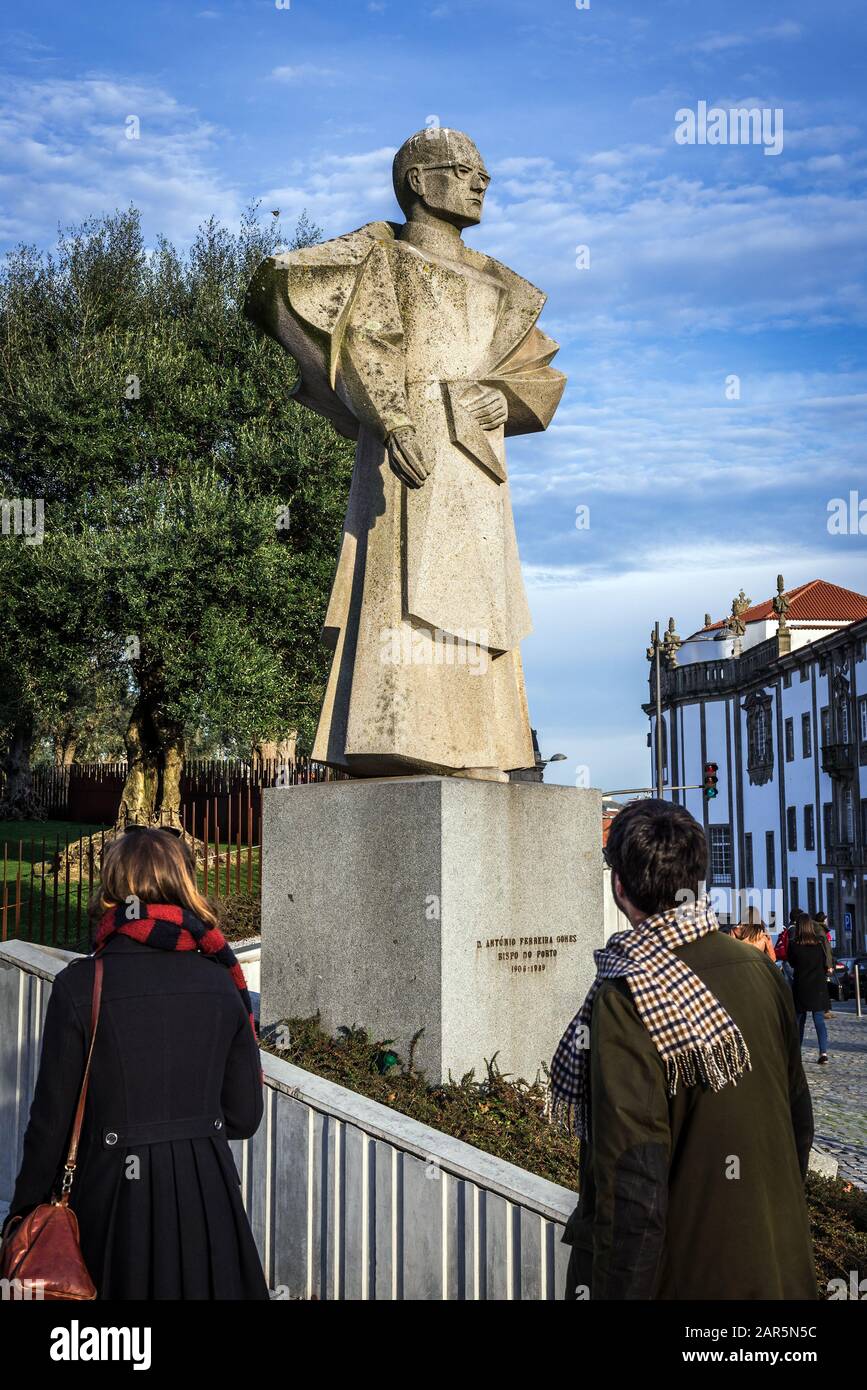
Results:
[810, 959]
[175, 1075]
[755, 933]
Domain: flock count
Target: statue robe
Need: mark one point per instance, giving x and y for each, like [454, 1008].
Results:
[428, 606]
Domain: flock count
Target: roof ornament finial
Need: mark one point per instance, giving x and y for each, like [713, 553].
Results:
[782, 604]
[670, 644]
[708, 620]
[735, 622]
[735, 625]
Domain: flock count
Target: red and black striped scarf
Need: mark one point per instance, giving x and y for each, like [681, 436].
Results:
[171, 928]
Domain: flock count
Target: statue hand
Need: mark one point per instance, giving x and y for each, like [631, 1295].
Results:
[405, 457]
[489, 407]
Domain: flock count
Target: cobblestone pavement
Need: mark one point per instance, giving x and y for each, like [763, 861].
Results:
[839, 1090]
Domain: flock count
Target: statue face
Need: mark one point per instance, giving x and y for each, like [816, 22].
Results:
[454, 188]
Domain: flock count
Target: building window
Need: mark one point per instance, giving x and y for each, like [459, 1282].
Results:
[805, 673]
[827, 825]
[826, 726]
[787, 679]
[721, 853]
[806, 735]
[792, 827]
[864, 824]
[844, 721]
[790, 740]
[770, 860]
[862, 726]
[793, 894]
[809, 827]
[847, 806]
[811, 896]
[749, 875]
[760, 747]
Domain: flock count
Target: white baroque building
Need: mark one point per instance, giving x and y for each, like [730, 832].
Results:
[776, 695]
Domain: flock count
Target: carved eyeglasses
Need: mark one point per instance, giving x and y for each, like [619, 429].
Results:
[463, 171]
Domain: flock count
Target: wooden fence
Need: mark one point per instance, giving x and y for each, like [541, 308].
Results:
[91, 792]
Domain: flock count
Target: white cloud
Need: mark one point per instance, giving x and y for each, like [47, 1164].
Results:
[303, 72]
[717, 42]
[64, 146]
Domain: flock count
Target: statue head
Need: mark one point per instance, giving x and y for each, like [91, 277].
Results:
[441, 171]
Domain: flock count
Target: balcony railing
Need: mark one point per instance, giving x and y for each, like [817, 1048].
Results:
[838, 759]
[841, 856]
[718, 676]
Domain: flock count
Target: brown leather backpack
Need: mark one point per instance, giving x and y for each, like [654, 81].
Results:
[41, 1251]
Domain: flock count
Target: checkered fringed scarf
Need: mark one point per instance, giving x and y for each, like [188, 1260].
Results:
[171, 928]
[692, 1032]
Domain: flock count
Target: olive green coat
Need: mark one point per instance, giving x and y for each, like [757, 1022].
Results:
[699, 1195]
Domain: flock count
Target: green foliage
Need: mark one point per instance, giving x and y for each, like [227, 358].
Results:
[500, 1114]
[137, 401]
[240, 914]
[838, 1220]
[51, 634]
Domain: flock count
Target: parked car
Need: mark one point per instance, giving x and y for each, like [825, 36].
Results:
[841, 980]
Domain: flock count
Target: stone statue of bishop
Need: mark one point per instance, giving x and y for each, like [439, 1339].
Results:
[427, 353]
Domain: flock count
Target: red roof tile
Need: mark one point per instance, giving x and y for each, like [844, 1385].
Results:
[813, 602]
[607, 819]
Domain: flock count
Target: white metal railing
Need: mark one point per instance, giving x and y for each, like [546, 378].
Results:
[346, 1198]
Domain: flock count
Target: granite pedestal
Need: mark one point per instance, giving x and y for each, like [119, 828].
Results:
[469, 909]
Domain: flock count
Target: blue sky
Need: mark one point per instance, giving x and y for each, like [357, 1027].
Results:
[706, 261]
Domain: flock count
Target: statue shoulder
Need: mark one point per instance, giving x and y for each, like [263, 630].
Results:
[317, 282]
[347, 250]
[524, 290]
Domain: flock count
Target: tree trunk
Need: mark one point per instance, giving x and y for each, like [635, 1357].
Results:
[155, 763]
[171, 766]
[64, 748]
[282, 751]
[18, 801]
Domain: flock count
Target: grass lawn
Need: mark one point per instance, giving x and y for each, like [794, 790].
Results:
[11, 831]
[41, 908]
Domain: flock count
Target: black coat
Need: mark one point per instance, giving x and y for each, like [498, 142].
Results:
[175, 1075]
[810, 983]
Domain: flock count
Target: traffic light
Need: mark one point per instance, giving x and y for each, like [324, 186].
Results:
[709, 786]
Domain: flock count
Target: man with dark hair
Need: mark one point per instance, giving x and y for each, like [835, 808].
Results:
[682, 1073]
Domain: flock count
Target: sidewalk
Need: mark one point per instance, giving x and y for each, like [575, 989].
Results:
[839, 1090]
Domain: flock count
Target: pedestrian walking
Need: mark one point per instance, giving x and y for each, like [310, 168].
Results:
[682, 1075]
[782, 943]
[175, 1075]
[811, 959]
[754, 932]
[821, 920]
